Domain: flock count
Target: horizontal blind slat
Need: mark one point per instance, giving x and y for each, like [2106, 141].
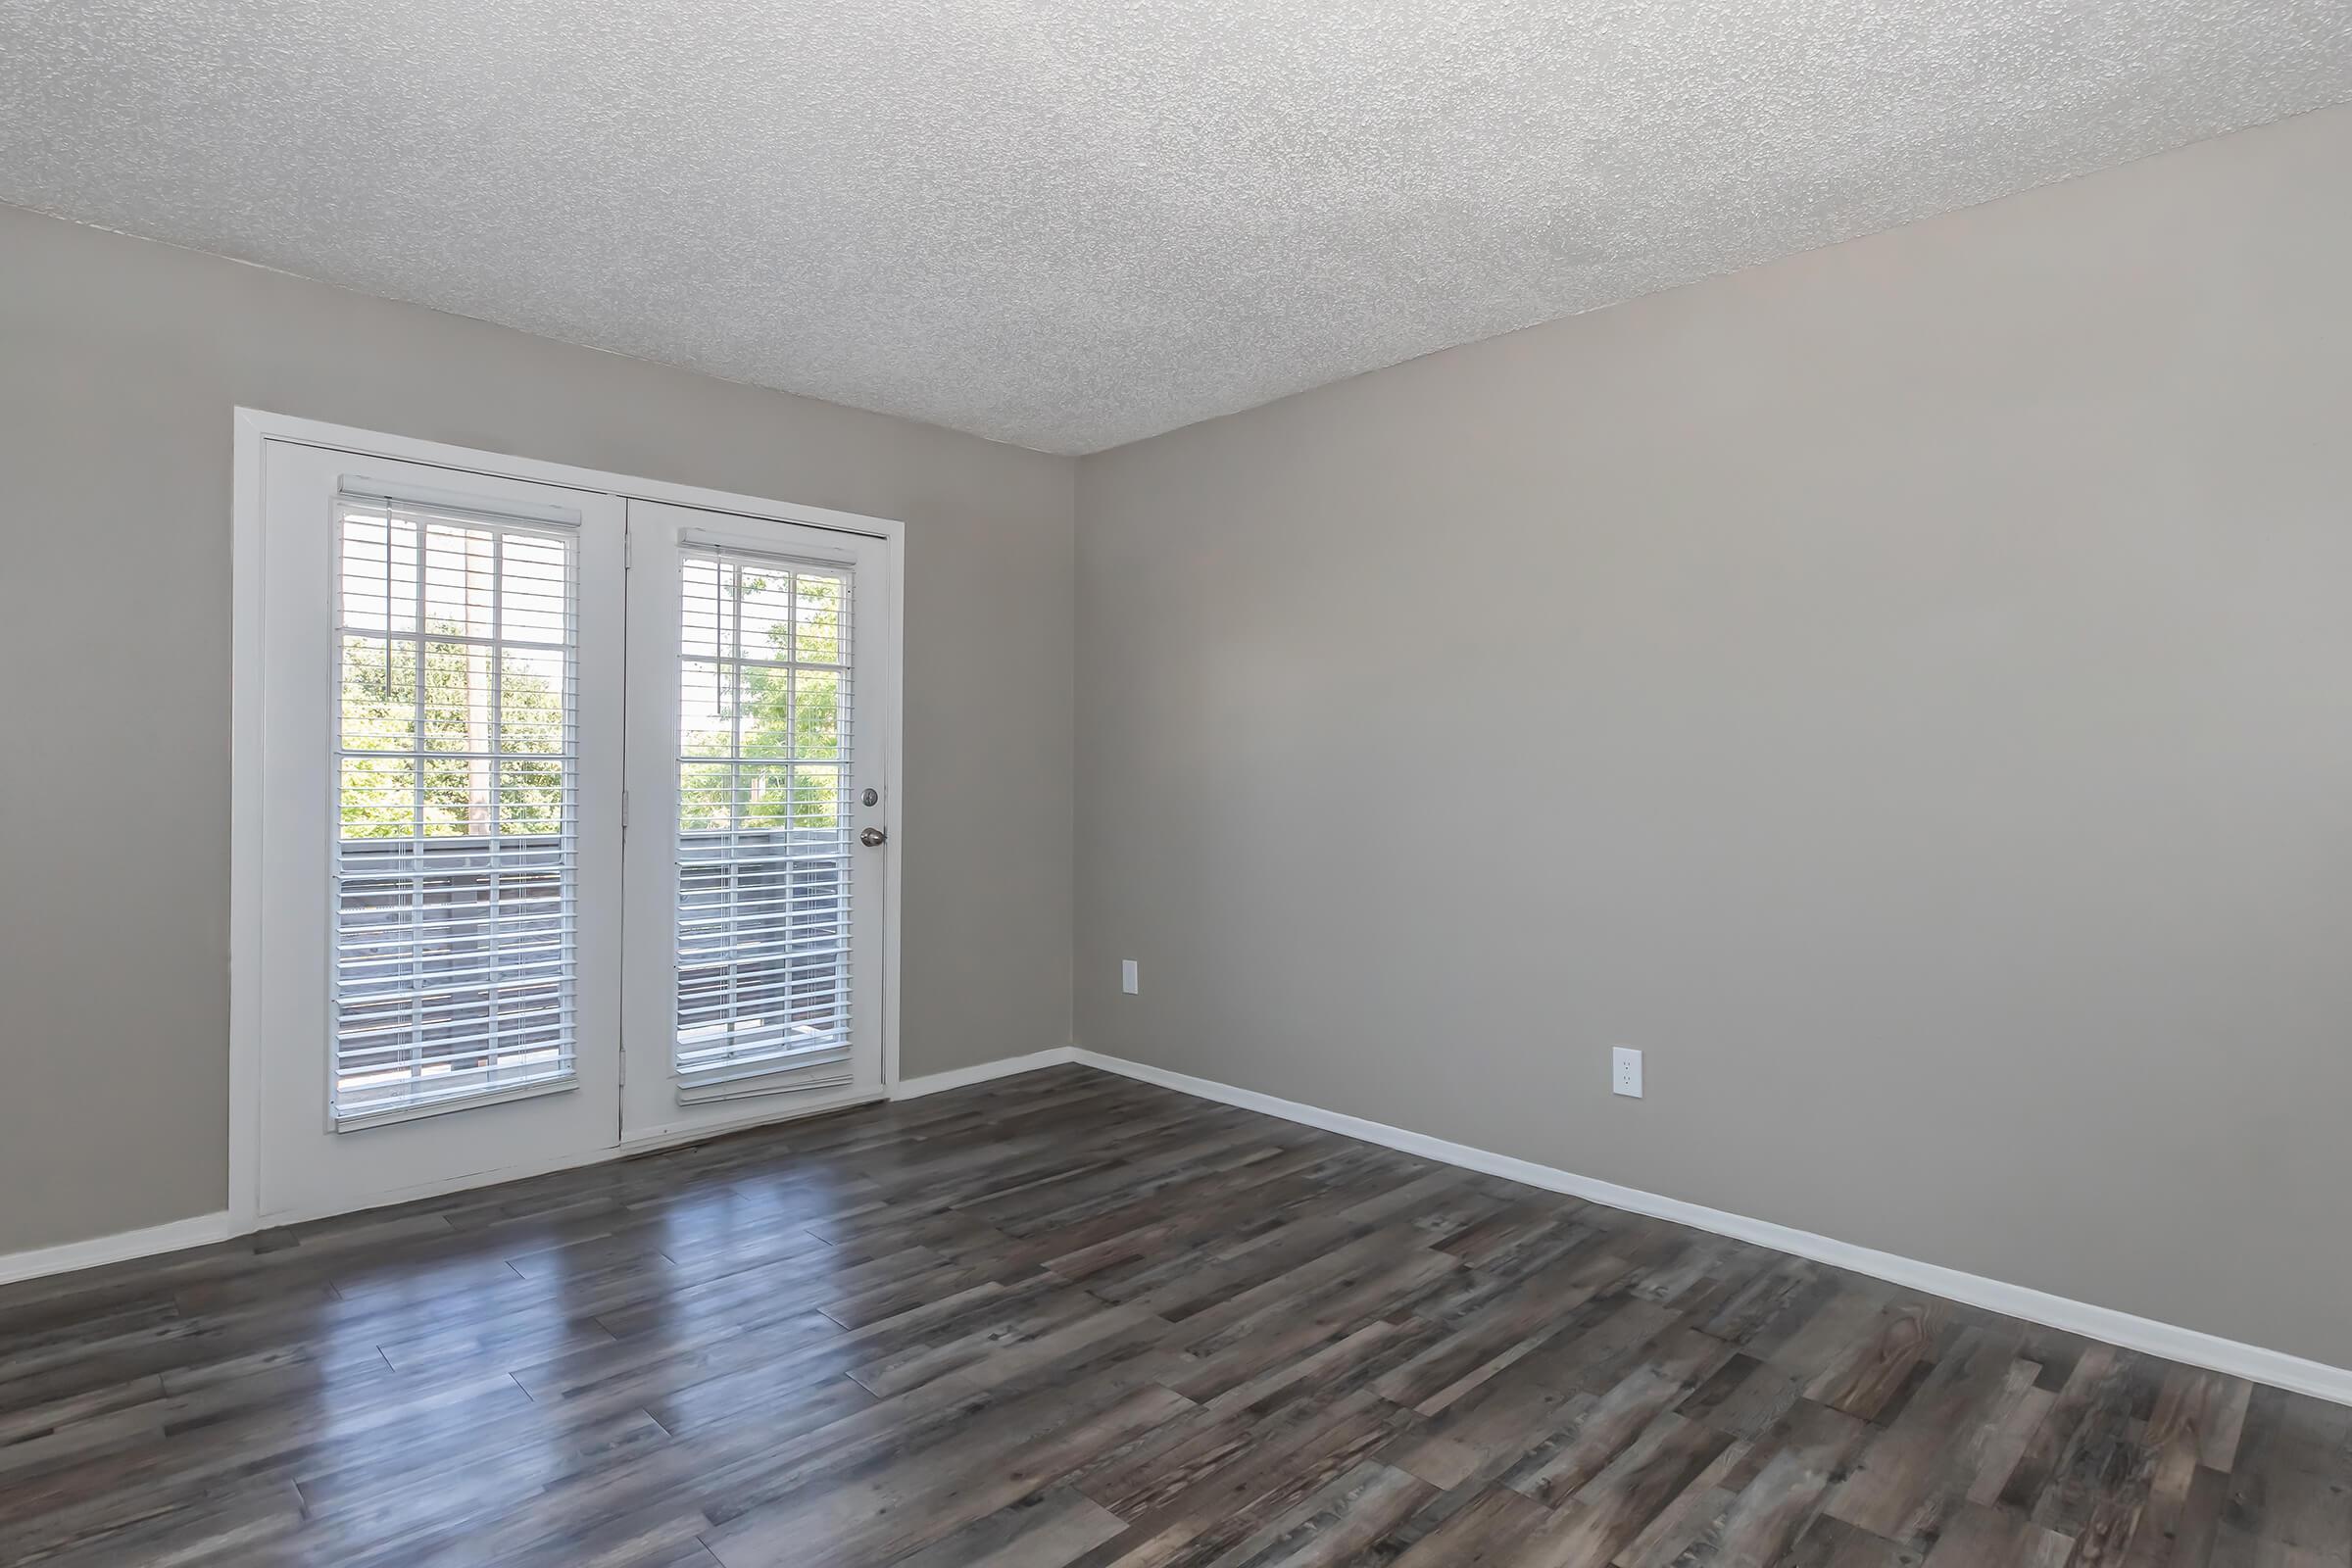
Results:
[765, 818]
[456, 859]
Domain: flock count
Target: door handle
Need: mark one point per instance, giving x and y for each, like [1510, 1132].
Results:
[873, 838]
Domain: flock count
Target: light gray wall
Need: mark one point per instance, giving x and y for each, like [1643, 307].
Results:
[120, 362]
[1907, 689]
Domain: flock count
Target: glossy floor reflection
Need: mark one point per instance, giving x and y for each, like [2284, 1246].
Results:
[1067, 1319]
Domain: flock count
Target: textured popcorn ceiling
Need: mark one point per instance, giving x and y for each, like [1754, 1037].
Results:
[1070, 224]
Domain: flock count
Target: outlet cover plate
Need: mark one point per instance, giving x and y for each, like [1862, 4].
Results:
[1625, 1072]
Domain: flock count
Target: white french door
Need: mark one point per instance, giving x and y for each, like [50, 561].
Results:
[553, 836]
[441, 872]
[755, 766]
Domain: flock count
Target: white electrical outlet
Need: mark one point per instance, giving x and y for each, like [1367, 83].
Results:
[1625, 1071]
[1127, 980]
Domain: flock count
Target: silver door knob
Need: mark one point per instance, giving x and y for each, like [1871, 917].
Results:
[873, 837]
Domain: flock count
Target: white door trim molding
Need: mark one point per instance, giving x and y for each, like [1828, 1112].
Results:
[252, 429]
[2123, 1329]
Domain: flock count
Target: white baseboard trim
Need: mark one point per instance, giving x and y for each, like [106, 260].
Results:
[120, 1247]
[932, 1083]
[2123, 1329]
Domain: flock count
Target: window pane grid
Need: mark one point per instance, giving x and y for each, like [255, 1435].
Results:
[456, 854]
[763, 898]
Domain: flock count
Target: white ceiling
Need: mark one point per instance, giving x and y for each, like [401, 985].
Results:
[1070, 223]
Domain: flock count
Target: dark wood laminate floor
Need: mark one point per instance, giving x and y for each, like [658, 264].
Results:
[1067, 1319]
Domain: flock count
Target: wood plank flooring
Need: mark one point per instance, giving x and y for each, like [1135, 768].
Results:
[1070, 1321]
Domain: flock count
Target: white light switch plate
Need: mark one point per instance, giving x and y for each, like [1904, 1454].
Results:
[1127, 980]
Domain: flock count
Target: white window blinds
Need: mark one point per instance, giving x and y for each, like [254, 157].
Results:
[764, 824]
[457, 763]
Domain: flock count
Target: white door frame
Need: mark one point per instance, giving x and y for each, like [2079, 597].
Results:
[252, 429]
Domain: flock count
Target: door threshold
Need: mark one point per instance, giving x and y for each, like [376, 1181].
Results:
[628, 1148]
[676, 1137]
